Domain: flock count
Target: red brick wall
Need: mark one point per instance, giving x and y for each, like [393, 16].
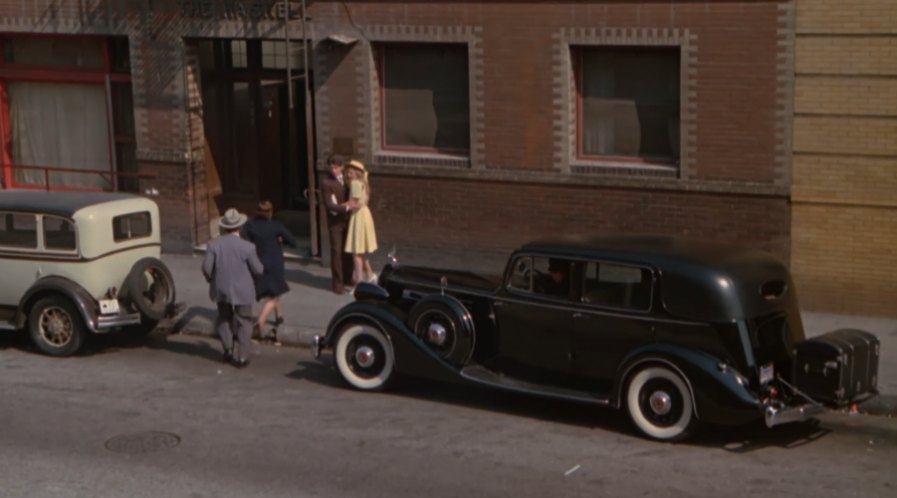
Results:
[733, 187]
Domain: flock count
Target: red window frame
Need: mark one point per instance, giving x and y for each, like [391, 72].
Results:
[53, 74]
[578, 65]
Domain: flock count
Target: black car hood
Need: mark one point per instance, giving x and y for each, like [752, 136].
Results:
[433, 277]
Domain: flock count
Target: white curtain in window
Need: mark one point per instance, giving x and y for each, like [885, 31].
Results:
[63, 125]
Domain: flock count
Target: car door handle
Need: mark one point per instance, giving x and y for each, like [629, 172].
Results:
[577, 314]
[498, 304]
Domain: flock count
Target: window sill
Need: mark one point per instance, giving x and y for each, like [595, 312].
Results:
[624, 168]
[432, 159]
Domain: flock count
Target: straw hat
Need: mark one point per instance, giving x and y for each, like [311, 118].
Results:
[357, 165]
[232, 219]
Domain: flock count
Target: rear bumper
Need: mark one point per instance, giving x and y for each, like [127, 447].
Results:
[107, 322]
[774, 416]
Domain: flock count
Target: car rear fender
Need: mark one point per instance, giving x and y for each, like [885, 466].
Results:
[411, 355]
[82, 300]
[720, 394]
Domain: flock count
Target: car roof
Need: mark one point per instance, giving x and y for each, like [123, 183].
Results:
[57, 203]
[655, 250]
[702, 280]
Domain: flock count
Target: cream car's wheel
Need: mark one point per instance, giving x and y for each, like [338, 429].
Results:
[660, 404]
[364, 357]
[55, 326]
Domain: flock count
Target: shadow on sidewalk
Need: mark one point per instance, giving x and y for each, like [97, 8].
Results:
[302, 277]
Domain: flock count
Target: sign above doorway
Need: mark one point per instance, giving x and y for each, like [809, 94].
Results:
[241, 9]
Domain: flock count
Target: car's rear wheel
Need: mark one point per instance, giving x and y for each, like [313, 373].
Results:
[150, 288]
[55, 326]
[660, 404]
[364, 357]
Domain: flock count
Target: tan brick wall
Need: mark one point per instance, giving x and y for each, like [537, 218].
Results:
[862, 55]
[844, 258]
[844, 195]
[850, 17]
[845, 179]
[858, 96]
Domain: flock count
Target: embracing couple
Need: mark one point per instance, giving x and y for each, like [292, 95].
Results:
[346, 195]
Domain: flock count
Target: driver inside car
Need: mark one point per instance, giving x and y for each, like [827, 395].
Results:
[557, 281]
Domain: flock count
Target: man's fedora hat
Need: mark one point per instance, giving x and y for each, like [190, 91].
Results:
[232, 219]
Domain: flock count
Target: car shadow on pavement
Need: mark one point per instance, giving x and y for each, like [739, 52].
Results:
[744, 439]
[159, 339]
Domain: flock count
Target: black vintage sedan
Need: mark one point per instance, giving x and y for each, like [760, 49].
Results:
[674, 331]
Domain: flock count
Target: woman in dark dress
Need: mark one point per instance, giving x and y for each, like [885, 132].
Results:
[269, 236]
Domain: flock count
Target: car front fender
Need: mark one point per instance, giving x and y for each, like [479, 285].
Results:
[411, 355]
[721, 395]
[82, 300]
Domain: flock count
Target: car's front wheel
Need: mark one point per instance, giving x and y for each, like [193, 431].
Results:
[55, 326]
[364, 357]
[660, 404]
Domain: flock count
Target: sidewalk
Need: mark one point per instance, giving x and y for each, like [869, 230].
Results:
[310, 304]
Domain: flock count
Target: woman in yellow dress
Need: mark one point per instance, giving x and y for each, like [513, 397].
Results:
[361, 239]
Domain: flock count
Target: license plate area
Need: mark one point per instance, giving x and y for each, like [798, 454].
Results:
[767, 373]
[109, 307]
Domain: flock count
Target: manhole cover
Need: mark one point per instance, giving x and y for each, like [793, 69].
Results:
[142, 442]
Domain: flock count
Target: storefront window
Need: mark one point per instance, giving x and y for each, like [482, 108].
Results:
[61, 52]
[66, 104]
[62, 125]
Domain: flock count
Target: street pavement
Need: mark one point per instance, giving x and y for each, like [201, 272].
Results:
[310, 304]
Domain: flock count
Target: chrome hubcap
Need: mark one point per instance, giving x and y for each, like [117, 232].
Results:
[660, 402]
[364, 356]
[436, 333]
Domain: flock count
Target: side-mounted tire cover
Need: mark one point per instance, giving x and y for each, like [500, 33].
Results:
[445, 326]
[364, 356]
[150, 288]
[660, 404]
[55, 326]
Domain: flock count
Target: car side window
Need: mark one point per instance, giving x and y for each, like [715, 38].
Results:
[18, 230]
[131, 226]
[59, 234]
[617, 286]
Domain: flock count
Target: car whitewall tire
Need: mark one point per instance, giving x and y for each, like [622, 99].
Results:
[660, 404]
[364, 357]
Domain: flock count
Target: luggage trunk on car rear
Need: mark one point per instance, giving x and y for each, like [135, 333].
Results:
[838, 367]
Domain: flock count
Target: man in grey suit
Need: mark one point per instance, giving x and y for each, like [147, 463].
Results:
[229, 265]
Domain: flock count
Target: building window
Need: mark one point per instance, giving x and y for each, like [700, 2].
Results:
[56, 98]
[424, 98]
[628, 107]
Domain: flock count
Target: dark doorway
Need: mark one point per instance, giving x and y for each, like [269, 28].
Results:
[257, 144]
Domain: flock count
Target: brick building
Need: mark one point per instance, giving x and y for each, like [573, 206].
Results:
[844, 228]
[484, 124]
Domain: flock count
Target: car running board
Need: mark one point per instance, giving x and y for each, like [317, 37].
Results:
[485, 376]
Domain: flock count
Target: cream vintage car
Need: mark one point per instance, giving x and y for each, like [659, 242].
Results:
[75, 263]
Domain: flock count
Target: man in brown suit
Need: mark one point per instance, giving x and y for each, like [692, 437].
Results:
[335, 194]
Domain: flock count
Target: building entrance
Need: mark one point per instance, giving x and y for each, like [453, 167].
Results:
[257, 146]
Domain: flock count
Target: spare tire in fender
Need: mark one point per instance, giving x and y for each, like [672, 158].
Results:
[150, 288]
[445, 326]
